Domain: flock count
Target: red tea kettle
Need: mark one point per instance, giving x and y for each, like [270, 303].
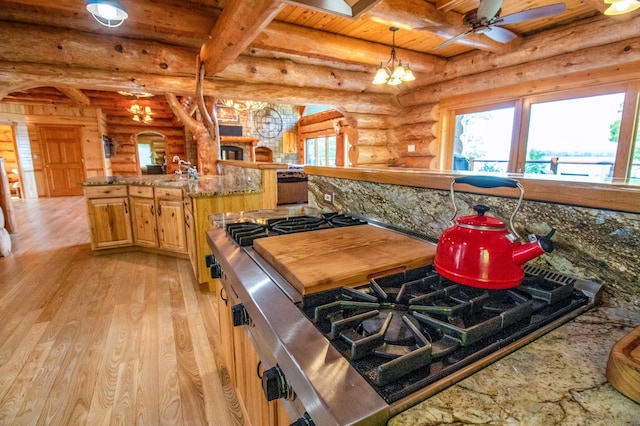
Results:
[480, 251]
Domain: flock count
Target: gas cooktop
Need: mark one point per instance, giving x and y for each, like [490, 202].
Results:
[405, 331]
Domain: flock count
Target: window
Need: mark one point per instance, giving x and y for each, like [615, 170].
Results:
[320, 151]
[144, 151]
[635, 165]
[482, 140]
[587, 133]
[574, 136]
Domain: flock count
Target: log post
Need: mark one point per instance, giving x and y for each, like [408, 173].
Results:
[5, 199]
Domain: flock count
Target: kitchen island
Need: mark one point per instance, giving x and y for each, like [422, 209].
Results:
[242, 186]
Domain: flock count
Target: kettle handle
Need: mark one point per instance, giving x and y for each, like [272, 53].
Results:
[489, 182]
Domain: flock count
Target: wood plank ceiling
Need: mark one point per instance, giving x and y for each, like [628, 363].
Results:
[303, 48]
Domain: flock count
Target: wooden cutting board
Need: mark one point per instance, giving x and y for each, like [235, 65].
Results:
[623, 366]
[349, 256]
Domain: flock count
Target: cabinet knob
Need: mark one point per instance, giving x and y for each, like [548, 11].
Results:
[215, 271]
[303, 421]
[240, 315]
[275, 385]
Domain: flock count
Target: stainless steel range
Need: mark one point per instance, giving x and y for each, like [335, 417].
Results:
[362, 353]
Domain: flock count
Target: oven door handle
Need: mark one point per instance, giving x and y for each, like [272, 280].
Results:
[258, 370]
[225, 300]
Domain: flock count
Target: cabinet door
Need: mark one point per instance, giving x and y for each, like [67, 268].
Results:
[226, 333]
[190, 233]
[249, 387]
[170, 218]
[144, 221]
[110, 222]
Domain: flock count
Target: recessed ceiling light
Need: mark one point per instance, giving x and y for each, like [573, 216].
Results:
[108, 12]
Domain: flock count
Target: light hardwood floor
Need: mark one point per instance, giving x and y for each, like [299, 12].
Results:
[117, 339]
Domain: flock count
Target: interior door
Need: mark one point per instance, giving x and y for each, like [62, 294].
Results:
[62, 152]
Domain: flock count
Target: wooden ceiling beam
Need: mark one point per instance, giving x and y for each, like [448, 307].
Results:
[75, 95]
[37, 75]
[290, 38]
[238, 24]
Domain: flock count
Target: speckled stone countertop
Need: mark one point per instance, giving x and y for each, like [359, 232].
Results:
[205, 186]
[558, 379]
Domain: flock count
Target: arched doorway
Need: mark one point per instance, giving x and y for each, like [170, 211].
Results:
[152, 153]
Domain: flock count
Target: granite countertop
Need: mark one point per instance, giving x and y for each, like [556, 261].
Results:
[558, 379]
[205, 186]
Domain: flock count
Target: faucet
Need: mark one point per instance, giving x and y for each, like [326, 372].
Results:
[192, 172]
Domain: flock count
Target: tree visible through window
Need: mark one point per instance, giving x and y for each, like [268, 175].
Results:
[572, 134]
[578, 135]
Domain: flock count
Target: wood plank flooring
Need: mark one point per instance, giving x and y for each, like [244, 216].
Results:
[116, 339]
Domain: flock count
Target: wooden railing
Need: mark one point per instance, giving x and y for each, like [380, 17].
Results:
[554, 164]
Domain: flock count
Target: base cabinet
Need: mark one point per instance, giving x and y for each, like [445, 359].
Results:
[244, 367]
[158, 218]
[109, 217]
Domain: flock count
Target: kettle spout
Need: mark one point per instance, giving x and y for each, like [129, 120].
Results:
[529, 251]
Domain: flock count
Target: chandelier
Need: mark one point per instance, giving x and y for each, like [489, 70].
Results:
[393, 75]
[141, 114]
[243, 105]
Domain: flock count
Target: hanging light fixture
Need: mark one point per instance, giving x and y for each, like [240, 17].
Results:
[393, 75]
[619, 7]
[243, 105]
[108, 12]
[141, 114]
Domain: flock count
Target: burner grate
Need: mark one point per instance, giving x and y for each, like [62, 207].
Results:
[408, 330]
[244, 233]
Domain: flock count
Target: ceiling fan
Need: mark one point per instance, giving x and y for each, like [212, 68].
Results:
[486, 20]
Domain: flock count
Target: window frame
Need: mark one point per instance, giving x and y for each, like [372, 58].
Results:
[449, 108]
[325, 138]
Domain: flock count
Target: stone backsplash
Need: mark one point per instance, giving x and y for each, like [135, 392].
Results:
[595, 244]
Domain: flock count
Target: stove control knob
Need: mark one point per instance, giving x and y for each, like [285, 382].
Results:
[215, 271]
[303, 421]
[209, 260]
[240, 315]
[275, 384]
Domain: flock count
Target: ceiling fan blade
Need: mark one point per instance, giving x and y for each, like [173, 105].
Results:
[488, 9]
[453, 39]
[499, 34]
[535, 13]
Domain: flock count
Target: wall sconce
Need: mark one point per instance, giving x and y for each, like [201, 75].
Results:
[619, 7]
[393, 75]
[107, 12]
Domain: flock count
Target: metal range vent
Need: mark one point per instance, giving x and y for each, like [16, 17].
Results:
[348, 8]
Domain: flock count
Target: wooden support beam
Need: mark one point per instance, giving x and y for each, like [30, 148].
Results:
[381, 103]
[320, 44]
[238, 24]
[76, 95]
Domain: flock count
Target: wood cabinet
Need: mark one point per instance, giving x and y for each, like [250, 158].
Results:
[259, 411]
[190, 233]
[244, 366]
[143, 216]
[158, 218]
[109, 216]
